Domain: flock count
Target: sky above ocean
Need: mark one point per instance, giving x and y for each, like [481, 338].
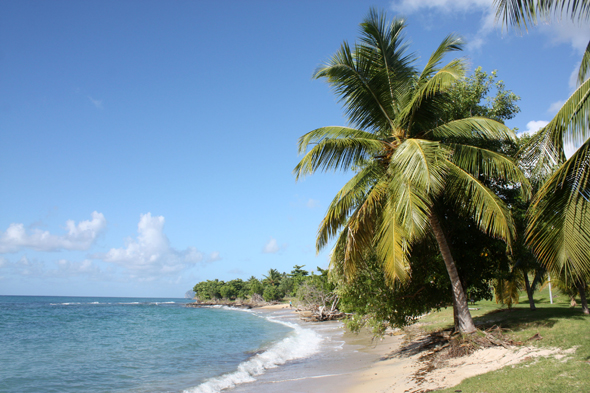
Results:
[148, 145]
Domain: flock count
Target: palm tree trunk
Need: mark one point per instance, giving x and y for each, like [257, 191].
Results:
[582, 291]
[529, 291]
[463, 321]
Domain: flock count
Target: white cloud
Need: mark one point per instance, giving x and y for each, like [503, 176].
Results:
[79, 237]
[446, 6]
[85, 268]
[556, 106]
[311, 203]
[24, 267]
[535, 125]
[150, 255]
[558, 30]
[271, 247]
[214, 256]
[96, 103]
[565, 31]
[62, 269]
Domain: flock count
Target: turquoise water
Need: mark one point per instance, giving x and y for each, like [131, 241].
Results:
[71, 344]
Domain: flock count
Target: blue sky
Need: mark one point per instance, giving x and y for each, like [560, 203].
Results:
[148, 145]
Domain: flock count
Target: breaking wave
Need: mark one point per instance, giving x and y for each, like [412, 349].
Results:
[301, 343]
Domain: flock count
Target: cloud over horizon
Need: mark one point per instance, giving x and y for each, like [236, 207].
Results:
[80, 237]
[150, 255]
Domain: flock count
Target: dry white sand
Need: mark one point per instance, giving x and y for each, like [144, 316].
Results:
[393, 373]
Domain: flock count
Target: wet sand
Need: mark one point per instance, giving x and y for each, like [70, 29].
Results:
[354, 363]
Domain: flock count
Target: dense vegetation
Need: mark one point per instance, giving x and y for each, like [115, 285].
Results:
[445, 205]
[273, 286]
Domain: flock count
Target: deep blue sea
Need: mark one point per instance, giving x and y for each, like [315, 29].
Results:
[84, 344]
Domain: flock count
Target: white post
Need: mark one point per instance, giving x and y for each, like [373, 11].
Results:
[550, 295]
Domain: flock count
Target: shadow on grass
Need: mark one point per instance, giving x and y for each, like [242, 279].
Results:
[519, 318]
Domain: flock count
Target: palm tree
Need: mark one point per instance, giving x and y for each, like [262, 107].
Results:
[405, 158]
[273, 277]
[559, 216]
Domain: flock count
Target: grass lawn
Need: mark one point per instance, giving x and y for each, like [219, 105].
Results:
[557, 324]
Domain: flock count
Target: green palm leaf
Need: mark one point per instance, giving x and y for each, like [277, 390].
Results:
[486, 209]
[391, 245]
[559, 218]
[360, 188]
[483, 163]
[335, 148]
[472, 127]
[517, 12]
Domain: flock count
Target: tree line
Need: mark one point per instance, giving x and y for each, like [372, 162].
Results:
[274, 286]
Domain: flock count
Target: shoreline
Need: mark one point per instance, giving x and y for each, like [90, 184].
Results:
[392, 365]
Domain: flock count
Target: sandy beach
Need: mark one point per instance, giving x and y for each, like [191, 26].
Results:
[395, 365]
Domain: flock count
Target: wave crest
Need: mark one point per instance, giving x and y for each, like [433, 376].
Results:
[301, 343]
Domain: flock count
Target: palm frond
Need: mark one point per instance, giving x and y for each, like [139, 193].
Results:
[369, 77]
[418, 171]
[422, 163]
[440, 82]
[571, 124]
[472, 127]
[335, 148]
[450, 43]
[384, 45]
[489, 164]
[391, 245]
[357, 191]
[584, 66]
[518, 12]
[358, 234]
[477, 201]
[559, 218]
[507, 290]
[539, 157]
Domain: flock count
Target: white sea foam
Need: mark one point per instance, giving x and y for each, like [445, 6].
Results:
[301, 343]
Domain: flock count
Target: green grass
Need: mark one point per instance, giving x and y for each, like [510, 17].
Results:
[558, 324]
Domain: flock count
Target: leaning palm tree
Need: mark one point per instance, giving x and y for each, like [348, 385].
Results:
[406, 159]
[559, 217]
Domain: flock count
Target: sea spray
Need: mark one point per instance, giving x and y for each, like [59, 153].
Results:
[301, 343]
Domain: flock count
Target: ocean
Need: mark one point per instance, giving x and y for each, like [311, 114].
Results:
[84, 344]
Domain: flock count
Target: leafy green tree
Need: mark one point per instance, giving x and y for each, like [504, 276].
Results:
[472, 96]
[228, 291]
[255, 286]
[240, 287]
[210, 289]
[406, 158]
[287, 286]
[271, 293]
